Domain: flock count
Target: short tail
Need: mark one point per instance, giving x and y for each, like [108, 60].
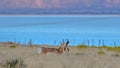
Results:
[39, 50]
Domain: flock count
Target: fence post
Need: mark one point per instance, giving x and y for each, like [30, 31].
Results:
[99, 43]
[114, 44]
[93, 42]
[30, 43]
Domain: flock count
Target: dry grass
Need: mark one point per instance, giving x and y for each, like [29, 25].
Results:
[13, 63]
[76, 58]
[101, 52]
[82, 46]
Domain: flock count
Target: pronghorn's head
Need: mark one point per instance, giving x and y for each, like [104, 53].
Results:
[64, 45]
[61, 48]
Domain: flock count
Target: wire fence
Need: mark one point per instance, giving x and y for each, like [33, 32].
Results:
[24, 38]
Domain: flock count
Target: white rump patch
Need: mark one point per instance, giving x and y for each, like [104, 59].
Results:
[39, 50]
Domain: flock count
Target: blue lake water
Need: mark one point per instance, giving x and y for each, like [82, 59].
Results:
[52, 29]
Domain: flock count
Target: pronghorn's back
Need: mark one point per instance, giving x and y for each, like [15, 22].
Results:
[49, 50]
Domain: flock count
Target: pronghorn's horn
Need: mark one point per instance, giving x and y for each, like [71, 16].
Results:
[67, 42]
[62, 42]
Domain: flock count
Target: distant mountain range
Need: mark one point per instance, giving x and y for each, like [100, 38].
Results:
[59, 6]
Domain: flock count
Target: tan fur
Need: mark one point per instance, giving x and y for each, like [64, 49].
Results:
[59, 50]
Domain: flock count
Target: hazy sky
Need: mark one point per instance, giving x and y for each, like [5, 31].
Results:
[59, 3]
[74, 24]
[93, 6]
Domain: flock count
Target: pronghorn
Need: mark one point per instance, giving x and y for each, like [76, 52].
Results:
[45, 50]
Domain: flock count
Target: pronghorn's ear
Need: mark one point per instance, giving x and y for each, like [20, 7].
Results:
[62, 42]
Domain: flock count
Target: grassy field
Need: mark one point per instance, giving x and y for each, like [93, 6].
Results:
[85, 57]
